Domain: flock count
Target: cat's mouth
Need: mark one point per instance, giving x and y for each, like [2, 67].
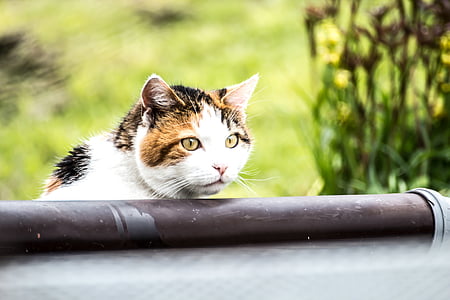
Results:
[219, 181]
[212, 188]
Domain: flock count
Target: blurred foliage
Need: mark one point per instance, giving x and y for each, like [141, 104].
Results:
[71, 69]
[381, 116]
[25, 68]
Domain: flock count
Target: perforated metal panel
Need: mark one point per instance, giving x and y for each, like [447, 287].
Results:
[327, 271]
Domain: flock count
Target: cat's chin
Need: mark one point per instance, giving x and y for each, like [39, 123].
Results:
[212, 188]
[201, 191]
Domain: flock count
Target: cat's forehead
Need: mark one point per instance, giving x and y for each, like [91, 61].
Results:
[195, 99]
[214, 120]
[209, 122]
[207, 105]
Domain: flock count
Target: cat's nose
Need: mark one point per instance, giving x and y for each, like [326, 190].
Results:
[220, 168]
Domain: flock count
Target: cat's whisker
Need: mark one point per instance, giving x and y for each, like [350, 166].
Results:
[250, 172]
[253, 116]
[258, 92]
[171, 187]
[242, 182]
[253, 102]
[261, 179]
[174, 191]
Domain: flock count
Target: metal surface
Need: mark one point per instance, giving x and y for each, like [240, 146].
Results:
[395, 271]
[301, 219]
[30, 226]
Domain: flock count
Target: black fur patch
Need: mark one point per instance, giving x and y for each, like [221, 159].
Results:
[222, 92]
[73, 167]
[194, 98]
[124, 134]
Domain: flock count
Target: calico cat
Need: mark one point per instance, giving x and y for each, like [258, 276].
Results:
[175, 142]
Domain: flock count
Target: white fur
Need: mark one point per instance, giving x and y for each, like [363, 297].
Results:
[114, 174]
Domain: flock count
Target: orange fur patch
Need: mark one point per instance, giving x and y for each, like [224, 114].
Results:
[161, 146]
[52, 184]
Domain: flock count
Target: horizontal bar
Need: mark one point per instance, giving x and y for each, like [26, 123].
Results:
[30, 226]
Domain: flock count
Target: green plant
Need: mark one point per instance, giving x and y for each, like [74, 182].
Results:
[382, 112]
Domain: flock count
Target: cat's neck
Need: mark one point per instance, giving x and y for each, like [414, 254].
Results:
[118, 164]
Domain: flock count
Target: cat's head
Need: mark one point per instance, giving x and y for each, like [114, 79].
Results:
[192, 143]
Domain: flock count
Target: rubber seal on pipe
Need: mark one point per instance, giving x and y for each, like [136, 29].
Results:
[440, 206]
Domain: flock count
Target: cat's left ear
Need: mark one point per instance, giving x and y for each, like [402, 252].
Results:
[239, 94]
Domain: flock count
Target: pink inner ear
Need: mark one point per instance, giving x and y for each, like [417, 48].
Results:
[157, 92]
[239, 94]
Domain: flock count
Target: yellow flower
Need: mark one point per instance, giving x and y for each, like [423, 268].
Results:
[328, 33]
[445, 58]
[334, 35]
[321, 37]
[329, 42]
[445, 41]
[341, 78]
[440, 77]
[333, 58]
[343, 111]
[445, 87]
[438, 109]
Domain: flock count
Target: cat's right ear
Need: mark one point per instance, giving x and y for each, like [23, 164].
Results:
[157, 94]
[238, 95]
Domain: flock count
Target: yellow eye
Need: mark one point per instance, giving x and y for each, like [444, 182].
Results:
[232, 141]
[190, 144]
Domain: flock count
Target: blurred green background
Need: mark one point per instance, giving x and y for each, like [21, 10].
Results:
[77, 66]
[354, 96]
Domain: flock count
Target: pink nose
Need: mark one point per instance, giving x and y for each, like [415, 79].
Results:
[220, 168]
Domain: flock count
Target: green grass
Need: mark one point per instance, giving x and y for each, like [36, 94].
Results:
[106, 50]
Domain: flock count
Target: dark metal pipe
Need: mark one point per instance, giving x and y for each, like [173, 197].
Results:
[30, 226]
